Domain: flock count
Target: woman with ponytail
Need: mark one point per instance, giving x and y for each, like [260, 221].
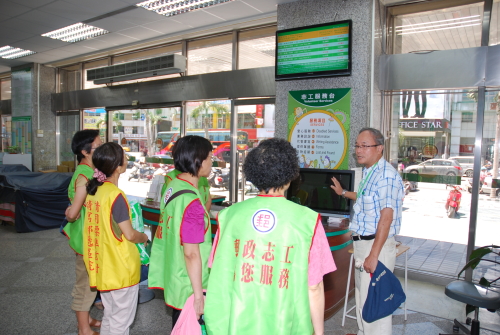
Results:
[111, 258]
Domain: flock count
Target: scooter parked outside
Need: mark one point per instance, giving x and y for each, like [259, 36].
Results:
[141, 171]
[453, 202]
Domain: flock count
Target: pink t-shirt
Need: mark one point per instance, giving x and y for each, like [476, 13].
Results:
[320, 257]
[193, 223]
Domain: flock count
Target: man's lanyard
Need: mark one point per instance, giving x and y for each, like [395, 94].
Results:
[364, 181]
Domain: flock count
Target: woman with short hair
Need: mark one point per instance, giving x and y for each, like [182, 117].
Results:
[270, 255]
[178, 263]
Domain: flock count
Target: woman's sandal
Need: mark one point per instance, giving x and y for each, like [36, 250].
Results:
[95, 323]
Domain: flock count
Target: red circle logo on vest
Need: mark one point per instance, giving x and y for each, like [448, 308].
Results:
[264, 221]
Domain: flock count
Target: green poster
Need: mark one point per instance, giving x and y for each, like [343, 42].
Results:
[318, 127]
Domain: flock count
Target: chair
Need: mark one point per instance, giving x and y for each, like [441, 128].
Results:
[401, 249]
[475, 295]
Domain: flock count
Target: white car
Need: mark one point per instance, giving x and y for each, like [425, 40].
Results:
[486, 187]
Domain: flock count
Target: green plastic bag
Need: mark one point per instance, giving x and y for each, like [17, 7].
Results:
[138, 224]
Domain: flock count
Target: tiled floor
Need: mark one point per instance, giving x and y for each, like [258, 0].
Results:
[443, 258]
[37, 275]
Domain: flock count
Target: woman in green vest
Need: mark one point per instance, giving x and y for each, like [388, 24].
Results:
[178, 263]
[270, 255]
[83, 145]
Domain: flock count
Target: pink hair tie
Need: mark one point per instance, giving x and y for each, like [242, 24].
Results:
[101, 177]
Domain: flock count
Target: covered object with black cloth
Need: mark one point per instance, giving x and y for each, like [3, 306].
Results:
[40, 198]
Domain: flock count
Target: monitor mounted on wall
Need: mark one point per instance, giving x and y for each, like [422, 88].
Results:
[322, 50]
[312, 189]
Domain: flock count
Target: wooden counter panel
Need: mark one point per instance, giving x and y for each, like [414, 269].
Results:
[335, 282]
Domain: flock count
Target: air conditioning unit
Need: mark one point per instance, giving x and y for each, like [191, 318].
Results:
[145, 68]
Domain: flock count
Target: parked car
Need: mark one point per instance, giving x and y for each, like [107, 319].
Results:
[444, 167]
[486, 187]
[467, 164]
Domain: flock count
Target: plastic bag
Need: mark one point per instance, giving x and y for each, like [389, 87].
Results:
[138, 224]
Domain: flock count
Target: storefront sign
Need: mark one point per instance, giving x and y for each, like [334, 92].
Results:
[425, 124]
[318, 127]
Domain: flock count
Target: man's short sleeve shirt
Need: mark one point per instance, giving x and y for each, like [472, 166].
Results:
[383, 188]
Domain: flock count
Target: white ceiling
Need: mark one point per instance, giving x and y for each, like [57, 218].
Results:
[23, 21]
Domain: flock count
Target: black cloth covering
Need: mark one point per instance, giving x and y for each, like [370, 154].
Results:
[40, 198]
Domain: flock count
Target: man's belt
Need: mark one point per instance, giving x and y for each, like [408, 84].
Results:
[361, 237]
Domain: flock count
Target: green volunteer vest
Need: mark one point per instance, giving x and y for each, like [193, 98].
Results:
[259, 279]
[167, 267]
[203, 186]
[74, 230]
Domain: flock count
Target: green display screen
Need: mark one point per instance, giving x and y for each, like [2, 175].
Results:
[320, 50]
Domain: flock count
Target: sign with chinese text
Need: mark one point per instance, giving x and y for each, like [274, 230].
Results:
[318, 127]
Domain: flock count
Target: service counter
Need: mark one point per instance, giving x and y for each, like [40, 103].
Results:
[339, 240]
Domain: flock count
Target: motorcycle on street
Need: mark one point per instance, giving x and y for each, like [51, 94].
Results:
[453, 202]
[141, 171]
[219, 178]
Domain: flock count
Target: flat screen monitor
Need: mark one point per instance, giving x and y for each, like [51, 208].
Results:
[322, 50]
[312, 189]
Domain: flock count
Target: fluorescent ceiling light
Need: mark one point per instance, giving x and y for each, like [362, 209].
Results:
[439, 22]
[424, 27]
[175, 7]
[428, 30]
[76, 32]
[9, 52]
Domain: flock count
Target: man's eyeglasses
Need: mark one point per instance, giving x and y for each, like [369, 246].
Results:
[365, 146]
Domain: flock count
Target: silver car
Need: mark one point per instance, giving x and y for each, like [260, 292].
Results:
[442, 167]
[467, 164]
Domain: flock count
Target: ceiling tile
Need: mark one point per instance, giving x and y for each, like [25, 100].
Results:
[13, 9]
[116, 39]
[92, 43]
[197, 18]
[24, 26]
[140, 33]
[13, 34]
[112, 24]
[232, 10]
[48, 42]
[71, 11]
[60, 52]
[139, 16]
[101, 6]
[263, 6]
[32, 44]
[31, 3]
[42, 18]
[41, 58]
[167, 26]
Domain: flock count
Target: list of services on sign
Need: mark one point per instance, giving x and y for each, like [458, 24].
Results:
[323, 48]
[318, 127]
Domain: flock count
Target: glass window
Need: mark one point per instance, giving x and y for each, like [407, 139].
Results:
[69, 124]
[256, 48]
[209, 55]
[495, 23]
[5, 91]
[440, 29]
[96, 119]
[255, 123]
[429, 212]
[92, 65]
[70, 78]
[6, 132]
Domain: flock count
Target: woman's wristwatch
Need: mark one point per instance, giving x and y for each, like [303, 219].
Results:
[344, 192]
